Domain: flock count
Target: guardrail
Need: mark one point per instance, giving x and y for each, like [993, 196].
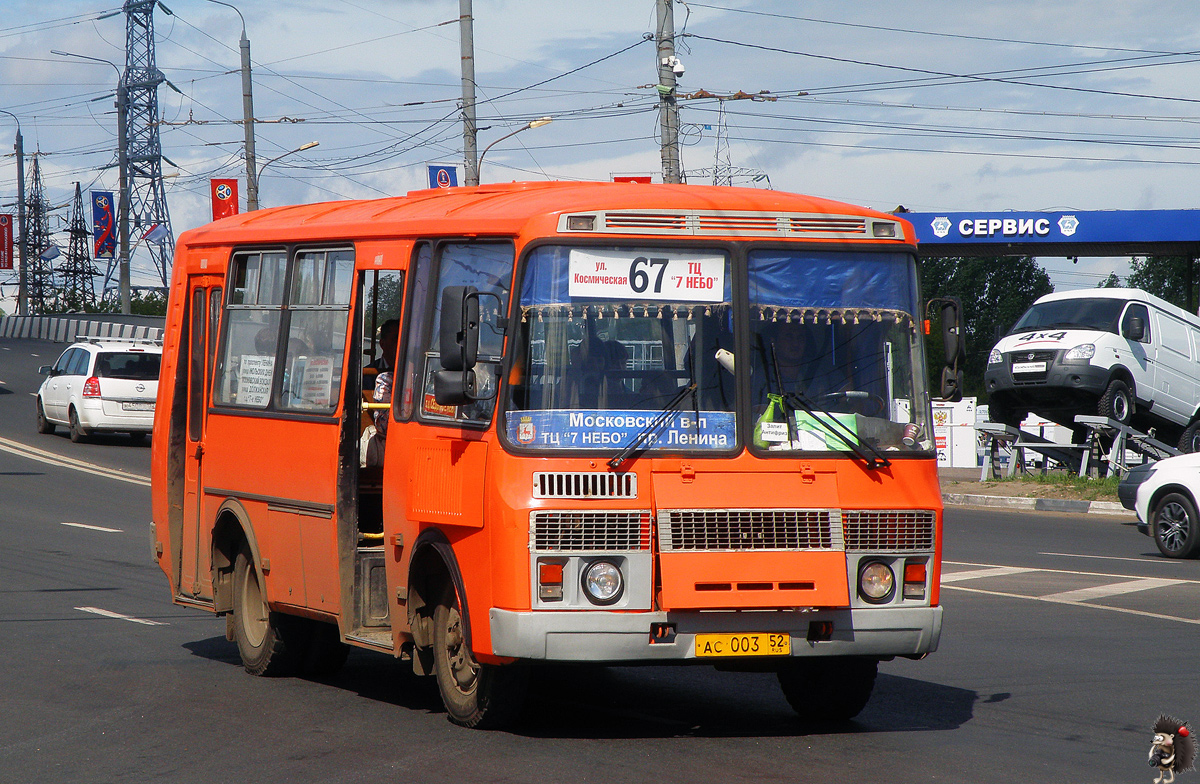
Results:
[65, 329]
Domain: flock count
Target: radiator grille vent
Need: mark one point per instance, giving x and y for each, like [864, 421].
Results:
[577, 531]
[753, 224]
[565, 484]
[889, 530]
[749, 529]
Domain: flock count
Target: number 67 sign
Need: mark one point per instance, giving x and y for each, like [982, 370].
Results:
[647, 274]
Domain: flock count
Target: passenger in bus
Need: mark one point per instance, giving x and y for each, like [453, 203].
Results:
[389, 335]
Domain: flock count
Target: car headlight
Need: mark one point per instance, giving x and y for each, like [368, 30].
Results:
[602, 582]
[876, 582]
[995, 358]
[1084, 352]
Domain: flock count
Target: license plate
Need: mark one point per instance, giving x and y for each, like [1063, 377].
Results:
[137, 406]
[747, 644]
[1029, 367]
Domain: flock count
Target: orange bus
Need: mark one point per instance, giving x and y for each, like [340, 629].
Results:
[626, 424]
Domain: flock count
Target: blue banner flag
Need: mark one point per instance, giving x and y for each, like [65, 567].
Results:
[103, 225]
[442, 175]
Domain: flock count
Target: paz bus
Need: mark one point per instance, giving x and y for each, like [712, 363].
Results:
[627, 424]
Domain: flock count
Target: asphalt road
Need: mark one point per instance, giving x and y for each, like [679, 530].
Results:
[1064, 638]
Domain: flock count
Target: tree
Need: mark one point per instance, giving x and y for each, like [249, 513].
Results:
[1113, 281]
[994, 292]
[1165, 276]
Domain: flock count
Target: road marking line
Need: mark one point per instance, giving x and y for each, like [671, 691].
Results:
[1060, 571]
[1147, 559]
[1125, 610]
[975, 574]
[119, 616]
[24, 450]
[1112, 589]
[96, 528]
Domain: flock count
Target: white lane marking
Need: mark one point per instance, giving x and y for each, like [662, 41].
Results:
[975, 574]
[1112, 589]
[1060, 571]
[1146, 559]
[96, 528]
[119, 616]
[23, 450]
[1125, 610]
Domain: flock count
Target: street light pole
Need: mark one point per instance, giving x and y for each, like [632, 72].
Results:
[247, 113]
[538, 123]
[123, 283]
[22, 281]
[301, 148]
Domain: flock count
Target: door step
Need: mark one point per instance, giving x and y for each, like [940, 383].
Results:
[381, 639]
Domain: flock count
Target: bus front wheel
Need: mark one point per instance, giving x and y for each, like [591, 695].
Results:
[256, 629]
[823, 689]
[480, 696]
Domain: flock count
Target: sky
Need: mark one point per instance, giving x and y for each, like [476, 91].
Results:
[936, 106]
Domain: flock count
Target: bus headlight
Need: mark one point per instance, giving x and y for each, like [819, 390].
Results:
[602, 582]
[876, 583]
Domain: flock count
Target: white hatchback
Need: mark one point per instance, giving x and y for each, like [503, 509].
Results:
[101, 386]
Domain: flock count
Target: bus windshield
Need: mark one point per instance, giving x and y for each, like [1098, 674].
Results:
[835, 352]
[608, 336]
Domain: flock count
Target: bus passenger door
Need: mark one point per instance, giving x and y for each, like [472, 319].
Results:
[204, 309]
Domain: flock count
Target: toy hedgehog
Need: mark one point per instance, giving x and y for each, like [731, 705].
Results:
[1172, 750]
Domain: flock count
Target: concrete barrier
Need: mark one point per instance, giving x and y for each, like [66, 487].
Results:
[65, 329]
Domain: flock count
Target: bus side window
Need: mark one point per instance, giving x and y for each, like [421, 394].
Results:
[418, 332]
[247, 366]
[489, 268]
[318, 310]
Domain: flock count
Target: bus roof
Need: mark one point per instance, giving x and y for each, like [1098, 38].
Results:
[509, 209]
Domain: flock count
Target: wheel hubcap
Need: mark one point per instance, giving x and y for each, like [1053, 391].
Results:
[1120, 408]
[462, 663]
[1173, 527]
[253, 610]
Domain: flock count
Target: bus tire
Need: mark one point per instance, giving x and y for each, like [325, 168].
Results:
[257, 630]
[44, 426]
[478, 696]
[829, 689]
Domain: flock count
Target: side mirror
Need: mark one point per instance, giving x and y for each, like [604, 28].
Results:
[458, 332]
[46, 370]
[454, 387]
[1136, 329]
[954, 340]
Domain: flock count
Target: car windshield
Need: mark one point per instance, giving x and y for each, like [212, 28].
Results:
[1097, 313]
[609, 336]
[134, 366]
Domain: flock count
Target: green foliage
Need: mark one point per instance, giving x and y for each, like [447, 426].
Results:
[1164, 276]
[994, 292]
[141, 303]
[1113, 281]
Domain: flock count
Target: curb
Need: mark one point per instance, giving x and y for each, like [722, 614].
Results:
[1037, 504]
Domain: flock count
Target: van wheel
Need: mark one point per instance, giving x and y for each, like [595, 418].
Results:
[829, 689]
[1190, 440]
[1174, 524]
[480, 696]
[1117, 402]
[257, 630]
[44, 426]
[77, 432]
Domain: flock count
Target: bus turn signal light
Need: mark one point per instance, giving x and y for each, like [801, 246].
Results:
[914, 580]
[550, 581]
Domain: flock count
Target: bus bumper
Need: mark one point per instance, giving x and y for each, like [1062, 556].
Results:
[595, 636]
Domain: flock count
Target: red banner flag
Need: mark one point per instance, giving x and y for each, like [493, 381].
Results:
[224, 198]
[6, 242]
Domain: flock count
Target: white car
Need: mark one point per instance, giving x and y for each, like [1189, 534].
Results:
[1163, 495]
[100, 386]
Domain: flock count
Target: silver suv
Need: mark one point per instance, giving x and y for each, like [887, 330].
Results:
[101, 385]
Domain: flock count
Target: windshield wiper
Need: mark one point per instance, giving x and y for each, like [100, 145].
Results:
[652, 428]
[831, 424]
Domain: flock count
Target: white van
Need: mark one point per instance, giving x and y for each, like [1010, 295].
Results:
[1120, 353]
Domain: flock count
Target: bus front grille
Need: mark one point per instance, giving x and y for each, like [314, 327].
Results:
[584, 484]
[884, 529]
[578, 531]
[749, 529]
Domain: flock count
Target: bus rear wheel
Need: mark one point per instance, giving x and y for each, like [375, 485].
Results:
[479, 696]
[257, 630]
[828, 689]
